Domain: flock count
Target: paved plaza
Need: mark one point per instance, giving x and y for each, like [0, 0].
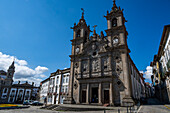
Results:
[153, 106]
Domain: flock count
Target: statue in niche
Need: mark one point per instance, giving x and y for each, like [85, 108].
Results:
[95, 65]
[85, 67]
[106, 63]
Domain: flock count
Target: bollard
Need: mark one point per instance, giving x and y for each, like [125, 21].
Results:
[104, 111]
[130, 109]
[127, 109]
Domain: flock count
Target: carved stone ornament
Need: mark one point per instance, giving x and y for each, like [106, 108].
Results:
[84, 66]
[106, 63]
[76, 65]
[118, 82]
[76, 74]
[94, 46]
[95, 65]
[75, 85]
[117, 59]
[94, 54]
[116, 41]
[77, 50]
[118, 70]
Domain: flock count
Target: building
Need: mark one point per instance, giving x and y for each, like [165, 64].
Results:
[102, 71]
[44, 90]
[161, 68]
[143, 93]
[15, 93]
[58, 86]
[148, 89]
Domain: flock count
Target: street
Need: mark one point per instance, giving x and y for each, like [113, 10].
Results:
[154, 106]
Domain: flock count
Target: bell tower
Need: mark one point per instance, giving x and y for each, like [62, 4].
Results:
[116, 30]
[117, 36]
[10, 74]
[81, 34]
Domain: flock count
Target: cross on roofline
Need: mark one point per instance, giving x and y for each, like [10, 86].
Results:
[95, 26]
[82, 10]
[114, 1]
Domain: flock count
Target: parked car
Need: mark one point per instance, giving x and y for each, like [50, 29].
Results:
[36, 103]
[27, 102]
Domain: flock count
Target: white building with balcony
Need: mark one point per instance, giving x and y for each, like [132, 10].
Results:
[44, 90]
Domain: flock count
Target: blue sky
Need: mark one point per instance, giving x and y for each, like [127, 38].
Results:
[38, 31]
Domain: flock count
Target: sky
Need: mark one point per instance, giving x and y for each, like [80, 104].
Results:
[37, 32]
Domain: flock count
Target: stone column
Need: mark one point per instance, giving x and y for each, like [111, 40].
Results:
[79, 94]
[88, 93]
[88, 70]
[127, 99]
[79, 73]
[126, 74]
[111, 93]
[89, 66]
[110, 61]
[100, 63]
[71, 79]
[100, 93]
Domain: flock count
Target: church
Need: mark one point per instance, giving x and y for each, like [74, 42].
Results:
[15, 93]
[102, 71]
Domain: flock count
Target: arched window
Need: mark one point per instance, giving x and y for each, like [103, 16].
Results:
[114, 22]
[78, 33]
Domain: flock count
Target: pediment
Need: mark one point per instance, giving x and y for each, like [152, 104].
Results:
[94, 47]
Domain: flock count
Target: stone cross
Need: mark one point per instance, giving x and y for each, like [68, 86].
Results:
[82, 11]
[95, 27]
[114, 1]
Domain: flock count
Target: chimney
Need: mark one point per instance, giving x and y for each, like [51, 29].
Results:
[32, 83]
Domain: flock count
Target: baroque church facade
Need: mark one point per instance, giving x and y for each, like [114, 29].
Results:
[102, 71]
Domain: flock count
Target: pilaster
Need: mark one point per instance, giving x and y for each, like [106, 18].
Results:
[100, 93]
[88, 94]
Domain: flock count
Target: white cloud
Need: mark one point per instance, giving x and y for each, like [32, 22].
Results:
[22, 71]
[40, 69]
[147, 73]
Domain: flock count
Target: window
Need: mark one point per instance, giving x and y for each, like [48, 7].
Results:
[64, 79]
[66, 89]
[78, 33]
[56, 89]
[62, 89]
[5, 90]
[67, 79]
[57, 80]
[27, 92]
[114, 22]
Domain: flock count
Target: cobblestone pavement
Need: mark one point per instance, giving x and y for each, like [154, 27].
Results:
[154, 106]
[35, 109]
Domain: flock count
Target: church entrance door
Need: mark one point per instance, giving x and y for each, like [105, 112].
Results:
[106, 96]
[94, 95]
[83, 96]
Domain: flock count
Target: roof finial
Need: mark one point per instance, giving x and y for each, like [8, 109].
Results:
[114, 2]
[94, 32]
[82, 13]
